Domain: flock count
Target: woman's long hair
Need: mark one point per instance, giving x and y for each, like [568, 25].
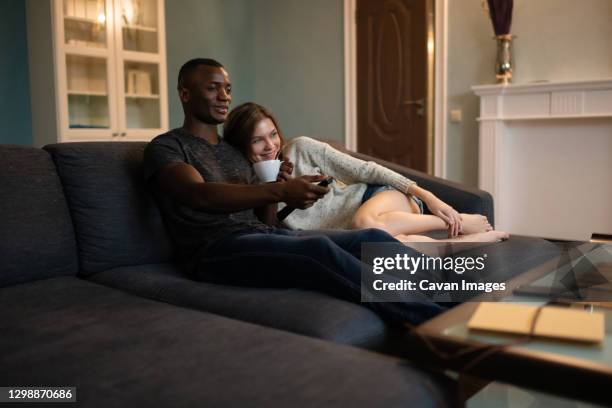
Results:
[240, 125]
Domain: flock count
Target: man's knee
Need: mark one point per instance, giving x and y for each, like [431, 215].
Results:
[318, 244]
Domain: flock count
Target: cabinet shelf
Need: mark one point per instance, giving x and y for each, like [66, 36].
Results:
[140, 28]
[83, 20]
[142, 96]
[80, 47]
[81, 126]
[87, 93]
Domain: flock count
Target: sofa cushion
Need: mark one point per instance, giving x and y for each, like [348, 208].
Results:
[299, 311]
[116, 219]
[122, 350]
[36, 235]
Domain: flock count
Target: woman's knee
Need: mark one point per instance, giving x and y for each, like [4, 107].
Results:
[363, 221]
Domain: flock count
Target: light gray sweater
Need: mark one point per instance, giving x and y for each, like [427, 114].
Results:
[336, 209]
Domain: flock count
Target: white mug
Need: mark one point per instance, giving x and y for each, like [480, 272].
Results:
[267, 170]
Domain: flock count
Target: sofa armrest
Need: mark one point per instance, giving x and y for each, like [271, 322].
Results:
[462, 198]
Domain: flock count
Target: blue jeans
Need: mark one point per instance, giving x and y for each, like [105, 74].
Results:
[374, 189]
[319, 260]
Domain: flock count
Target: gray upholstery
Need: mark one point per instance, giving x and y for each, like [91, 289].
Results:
[36, 235]
[116, 220]
[310, 313]
[121, 350]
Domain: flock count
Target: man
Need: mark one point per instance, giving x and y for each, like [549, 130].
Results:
[213, 210]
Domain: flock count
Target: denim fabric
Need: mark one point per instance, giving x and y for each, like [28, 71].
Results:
[320, 260]
[418, 202]
[374, 189]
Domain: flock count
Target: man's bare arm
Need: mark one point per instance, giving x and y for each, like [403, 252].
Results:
[267, 214]
[184, 183]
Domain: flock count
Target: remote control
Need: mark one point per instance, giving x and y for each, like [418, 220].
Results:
[284, 213]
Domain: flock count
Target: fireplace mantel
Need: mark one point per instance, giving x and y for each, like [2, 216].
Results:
[545, 154]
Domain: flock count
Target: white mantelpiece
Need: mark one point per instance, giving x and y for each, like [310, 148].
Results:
[545, 154]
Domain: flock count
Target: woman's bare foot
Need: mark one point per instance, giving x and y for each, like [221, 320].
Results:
[489, 236]
[428, 247]
[474, 223]
[414, 238]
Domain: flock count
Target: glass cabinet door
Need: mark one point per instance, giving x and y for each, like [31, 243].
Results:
[85, 23]
[142, 97]
[87, 88]
[139, 25]
[110, 67]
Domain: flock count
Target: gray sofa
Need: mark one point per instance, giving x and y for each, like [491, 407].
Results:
[90, 296]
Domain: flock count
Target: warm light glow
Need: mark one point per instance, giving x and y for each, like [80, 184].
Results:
[430, 45]
[101, 18]
[128, 12]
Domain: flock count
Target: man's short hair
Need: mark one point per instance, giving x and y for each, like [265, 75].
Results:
[191, 65]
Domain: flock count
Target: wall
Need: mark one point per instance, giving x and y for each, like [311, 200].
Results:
[15, 113]
[284, 54]
[299, 65]
[557, 40]
[219, 29]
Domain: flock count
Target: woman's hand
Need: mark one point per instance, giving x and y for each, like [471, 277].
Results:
[447, 213]
[286, 169]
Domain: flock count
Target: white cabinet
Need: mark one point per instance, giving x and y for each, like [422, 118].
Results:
[97, 69]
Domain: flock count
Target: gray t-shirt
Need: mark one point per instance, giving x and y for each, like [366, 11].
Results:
[194, 231]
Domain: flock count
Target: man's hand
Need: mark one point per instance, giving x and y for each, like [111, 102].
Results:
[286, 169]
[301, 193]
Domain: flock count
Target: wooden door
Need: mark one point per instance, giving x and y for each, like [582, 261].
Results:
[392, 81]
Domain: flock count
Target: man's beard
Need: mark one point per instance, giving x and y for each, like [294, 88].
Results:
[207, 118]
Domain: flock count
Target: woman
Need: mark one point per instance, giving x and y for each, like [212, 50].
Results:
[364, 194]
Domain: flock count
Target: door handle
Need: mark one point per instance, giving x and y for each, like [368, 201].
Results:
[419, 103]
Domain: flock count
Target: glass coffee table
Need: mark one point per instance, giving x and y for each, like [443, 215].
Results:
[571, 369]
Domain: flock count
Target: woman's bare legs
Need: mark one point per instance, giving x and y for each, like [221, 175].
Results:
[489, 236]
[399, 215]
[395, 213]
[424, 244]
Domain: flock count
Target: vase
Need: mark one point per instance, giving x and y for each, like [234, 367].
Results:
[504, 61]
